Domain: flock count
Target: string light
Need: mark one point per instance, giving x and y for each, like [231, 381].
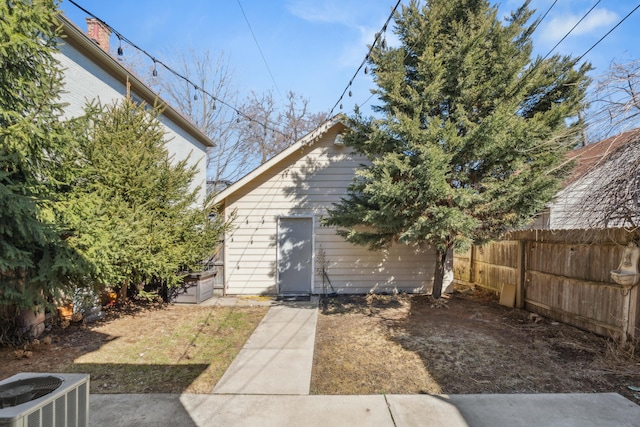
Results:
[155, 69]
[366, 58]
[121, 38]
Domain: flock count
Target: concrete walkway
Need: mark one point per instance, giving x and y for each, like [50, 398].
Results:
[278, 357]
[268, 385]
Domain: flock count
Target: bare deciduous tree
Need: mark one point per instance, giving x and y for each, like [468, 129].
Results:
[271, 129]
[226, 161]
[616, 100]
[608, 195]
[246, 135]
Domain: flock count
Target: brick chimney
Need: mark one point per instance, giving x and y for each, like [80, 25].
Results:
[99, 33]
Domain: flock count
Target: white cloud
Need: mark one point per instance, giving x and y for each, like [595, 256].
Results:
[362, 21]
[559, 26]
[354, 51]
[329, 11]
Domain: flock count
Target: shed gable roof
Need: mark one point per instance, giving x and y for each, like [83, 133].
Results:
[305, 141]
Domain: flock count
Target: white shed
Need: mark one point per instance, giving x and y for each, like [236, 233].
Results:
[278, 245]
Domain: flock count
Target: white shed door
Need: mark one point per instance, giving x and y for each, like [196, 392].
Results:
[295, 253]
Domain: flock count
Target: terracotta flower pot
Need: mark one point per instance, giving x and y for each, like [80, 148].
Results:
[66, 311]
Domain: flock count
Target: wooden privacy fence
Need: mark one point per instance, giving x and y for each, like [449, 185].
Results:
[560, 274]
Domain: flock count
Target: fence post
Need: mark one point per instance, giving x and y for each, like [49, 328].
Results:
[472, 269]
[520, 273]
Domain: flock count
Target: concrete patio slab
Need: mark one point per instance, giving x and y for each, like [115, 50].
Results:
[425, 410]
[279, 411]
[559, 410]
[138, 410]
[496, 410]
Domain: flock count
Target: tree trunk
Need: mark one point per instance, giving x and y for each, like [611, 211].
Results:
[123, 291]
[438, 276]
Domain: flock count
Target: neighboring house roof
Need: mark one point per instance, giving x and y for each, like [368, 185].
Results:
[595, 194]
[306, 140]
[88, 47]
[593, 155]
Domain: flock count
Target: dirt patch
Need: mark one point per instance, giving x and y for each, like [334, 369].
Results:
[142, 348]
[404, 344]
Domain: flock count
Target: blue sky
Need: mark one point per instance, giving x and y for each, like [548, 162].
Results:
[314, 47]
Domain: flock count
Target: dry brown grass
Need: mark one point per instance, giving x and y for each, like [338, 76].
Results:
[404, 344]
[172, 349]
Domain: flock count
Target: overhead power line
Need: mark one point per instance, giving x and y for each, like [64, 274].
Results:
[608, 32]
[264, 59]
[579, 58]
[535, 67]
[384, 29]
[156, 62]
[535, 27]
[571, 30]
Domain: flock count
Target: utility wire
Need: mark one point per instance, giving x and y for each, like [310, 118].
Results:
[157, 62]
[578, 59]
[384, 29]
[537, 64]
[571, 30]
[539, 21]
[608, 32]
[255, 39]
[535, 27]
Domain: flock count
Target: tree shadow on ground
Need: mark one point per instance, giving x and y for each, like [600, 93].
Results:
[476, 345]
[359, 304]
[139, 378]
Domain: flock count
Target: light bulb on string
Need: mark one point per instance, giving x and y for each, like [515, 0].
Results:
[120, 51]
[155, 69]
[195, 95]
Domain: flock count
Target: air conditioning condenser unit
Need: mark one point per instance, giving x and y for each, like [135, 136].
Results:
[38, 400]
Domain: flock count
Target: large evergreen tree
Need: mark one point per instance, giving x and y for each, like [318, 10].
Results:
[131, 210]
[470, 134]
[35, 262]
